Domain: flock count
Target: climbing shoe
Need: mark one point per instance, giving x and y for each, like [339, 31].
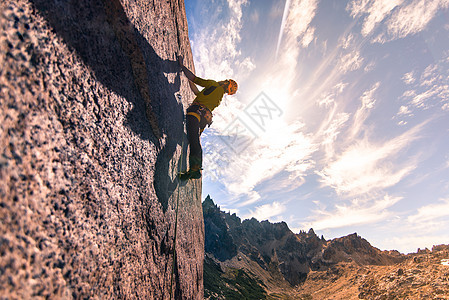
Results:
[193, 173]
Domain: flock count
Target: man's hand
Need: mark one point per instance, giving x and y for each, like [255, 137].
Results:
[180, 61]
[186, 71]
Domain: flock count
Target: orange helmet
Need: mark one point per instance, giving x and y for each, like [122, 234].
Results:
[232, 87]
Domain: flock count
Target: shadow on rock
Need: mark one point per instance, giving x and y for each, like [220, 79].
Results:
[86, 27]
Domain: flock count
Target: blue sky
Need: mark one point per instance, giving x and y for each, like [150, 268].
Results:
[341, 121]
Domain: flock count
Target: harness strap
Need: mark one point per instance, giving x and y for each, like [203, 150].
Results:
[201, 112]
[196, 115]
[200, 105]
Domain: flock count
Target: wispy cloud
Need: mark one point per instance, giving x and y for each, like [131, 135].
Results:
[431, 90]
[350, 62]
[414, 17]
[215, 48]
[254, 17]
[374, 12]
[301, 13]
[431, 212]
[356, 213]
[364, 166]
[395, 18]
[367, 103]
[347, 41]
[296, 26]
[266, 211]
[282, 147]
[404, 111]
[408, 78]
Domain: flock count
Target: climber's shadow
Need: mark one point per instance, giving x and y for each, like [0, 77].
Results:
[85, 26]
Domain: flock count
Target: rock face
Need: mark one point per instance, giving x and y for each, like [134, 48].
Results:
[88, 192]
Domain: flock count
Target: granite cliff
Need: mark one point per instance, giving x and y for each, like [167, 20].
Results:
[92, 136]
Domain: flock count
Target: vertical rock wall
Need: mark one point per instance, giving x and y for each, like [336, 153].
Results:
[88, 193]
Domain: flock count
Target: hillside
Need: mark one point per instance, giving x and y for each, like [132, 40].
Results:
[261, 260]
[91, 125]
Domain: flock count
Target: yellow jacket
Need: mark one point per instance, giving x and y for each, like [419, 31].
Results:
[211, 95]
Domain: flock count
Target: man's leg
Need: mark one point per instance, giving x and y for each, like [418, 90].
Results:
[196, 152]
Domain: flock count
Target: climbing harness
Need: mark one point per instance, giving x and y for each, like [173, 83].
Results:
[202, 113]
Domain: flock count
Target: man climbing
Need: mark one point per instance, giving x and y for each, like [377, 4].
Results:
[199, 114]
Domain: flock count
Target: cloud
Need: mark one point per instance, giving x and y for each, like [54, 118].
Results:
[266, 211]
[254, 17]
[432, 88]
[300, 15]
[308, 37]
[413, 18]
[397, 18]
[351, 61]
[252, 197]
[408, 78]
[215, 46]
[284, 19]
[445, 107]
[295, 26]
[356, 213]
[421, 100]
[281, 148]
[364, 167]
[368, 101]
[347, 41]
[431, 212]
[404, 111]
[332, 132]
[376, 11]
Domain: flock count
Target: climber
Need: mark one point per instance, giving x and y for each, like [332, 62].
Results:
[199, 114]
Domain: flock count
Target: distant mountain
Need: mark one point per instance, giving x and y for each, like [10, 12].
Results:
[273, 259]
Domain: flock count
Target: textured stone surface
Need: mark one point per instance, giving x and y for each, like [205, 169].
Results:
[88, 193]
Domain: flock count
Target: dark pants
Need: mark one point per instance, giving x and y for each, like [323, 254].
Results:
[194, 130]
[193, 135]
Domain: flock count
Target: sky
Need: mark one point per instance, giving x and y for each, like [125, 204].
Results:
[341, 120]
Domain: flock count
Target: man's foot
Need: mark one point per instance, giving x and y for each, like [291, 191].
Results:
[193, 173]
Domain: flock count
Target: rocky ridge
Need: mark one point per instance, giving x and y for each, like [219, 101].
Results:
[87, 190]
[420, 276]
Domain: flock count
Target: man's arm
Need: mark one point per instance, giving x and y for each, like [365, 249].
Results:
[189, 76]
[194, 88]
[186, 71]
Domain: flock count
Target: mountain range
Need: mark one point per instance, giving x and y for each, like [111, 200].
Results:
[262, 260]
